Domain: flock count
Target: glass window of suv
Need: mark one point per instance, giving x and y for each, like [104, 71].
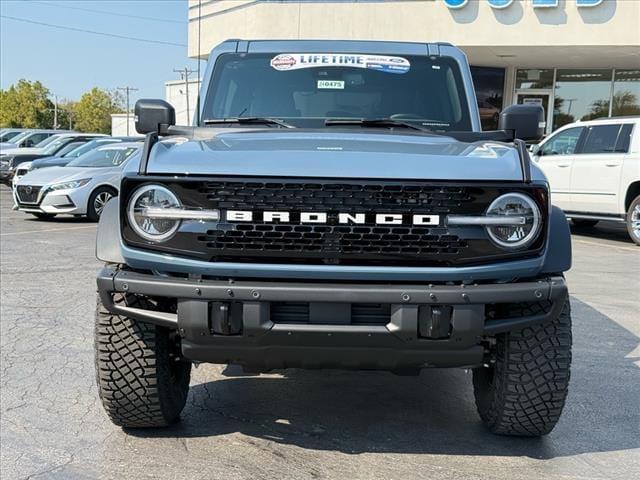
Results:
[111, 156]
[431, 93]
[8, 135]
[601, 139]
[563, 143]
[36, 140]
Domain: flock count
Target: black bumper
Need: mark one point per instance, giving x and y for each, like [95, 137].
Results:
[263, 344]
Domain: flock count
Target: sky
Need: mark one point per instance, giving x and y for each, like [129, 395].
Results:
[70, 63]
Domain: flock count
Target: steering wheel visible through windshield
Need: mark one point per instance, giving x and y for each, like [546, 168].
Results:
[104, 157]
[306, 89]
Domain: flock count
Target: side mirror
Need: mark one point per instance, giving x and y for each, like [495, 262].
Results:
[534, 149]
[153, 116]
[526, 121]
[27, 143]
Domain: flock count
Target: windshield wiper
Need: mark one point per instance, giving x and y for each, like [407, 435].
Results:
[374, 122]
[248, 120]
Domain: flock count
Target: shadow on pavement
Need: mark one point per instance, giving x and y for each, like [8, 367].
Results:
[356, 412]
[605, 231]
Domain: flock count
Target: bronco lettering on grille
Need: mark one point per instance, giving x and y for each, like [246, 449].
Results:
[324, 217]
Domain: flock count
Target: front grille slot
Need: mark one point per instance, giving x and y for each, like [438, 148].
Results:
[28, 193]
[360, 314]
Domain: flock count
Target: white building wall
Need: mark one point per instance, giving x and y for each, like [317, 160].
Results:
[176, 94]
[119, 125]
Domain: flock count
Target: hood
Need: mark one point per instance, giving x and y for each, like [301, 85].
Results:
[344, 154]
[50, 162]
[45, 176]
[13, 150]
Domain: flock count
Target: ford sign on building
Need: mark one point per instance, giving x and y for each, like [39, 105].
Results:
[578, 59]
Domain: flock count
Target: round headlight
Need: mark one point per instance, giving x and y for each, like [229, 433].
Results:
[152, 197]
[525, 215]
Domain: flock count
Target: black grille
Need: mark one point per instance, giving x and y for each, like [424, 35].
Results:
[28, 193]
[358, 314]
[333, 242]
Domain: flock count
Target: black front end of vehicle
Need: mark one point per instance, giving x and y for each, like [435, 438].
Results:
[269, 323]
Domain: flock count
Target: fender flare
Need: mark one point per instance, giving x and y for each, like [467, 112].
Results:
[558, 257]
[108, 234]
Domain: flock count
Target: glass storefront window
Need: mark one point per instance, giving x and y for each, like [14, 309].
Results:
[581, 95]
[626, 93]
[489, 87]
[534, 78]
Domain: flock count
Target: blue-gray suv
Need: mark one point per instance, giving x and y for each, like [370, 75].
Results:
[335, 205]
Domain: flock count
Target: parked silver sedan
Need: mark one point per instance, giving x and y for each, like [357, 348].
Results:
[82, 187]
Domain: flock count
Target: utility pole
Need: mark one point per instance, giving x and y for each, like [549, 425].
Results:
[55, 113]
[184, 74]
[127, 90]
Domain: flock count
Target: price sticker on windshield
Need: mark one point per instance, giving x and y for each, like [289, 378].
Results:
[331, 84]
[382, 63]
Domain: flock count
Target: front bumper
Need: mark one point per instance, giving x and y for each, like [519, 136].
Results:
[264, 344]
[58, 202]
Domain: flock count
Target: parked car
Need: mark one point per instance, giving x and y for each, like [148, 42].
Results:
[6, 134]
[61, 159]
[594, 171]
[10, 159]
[28, 138]
[82, 187]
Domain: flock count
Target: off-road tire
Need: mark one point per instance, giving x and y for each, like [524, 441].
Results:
[524, 391]
[43, 216]
[584, 222]
[141, 378]
[632, 219]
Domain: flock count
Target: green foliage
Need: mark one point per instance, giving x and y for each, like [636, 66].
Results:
[93, 112]
[26, 105]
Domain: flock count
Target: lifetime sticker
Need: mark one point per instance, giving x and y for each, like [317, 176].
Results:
[382, 63]
[331, 84]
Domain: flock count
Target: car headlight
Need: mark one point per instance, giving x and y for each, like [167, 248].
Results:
[68, 185]
[153, 198]
[527, 220]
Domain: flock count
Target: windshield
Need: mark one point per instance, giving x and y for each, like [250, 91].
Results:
[19, 137]
[87, 147]
[55, 145]
[306, 89]
[104, 157]
[7, 136]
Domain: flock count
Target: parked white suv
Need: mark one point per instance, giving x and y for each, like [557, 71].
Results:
[593, 169]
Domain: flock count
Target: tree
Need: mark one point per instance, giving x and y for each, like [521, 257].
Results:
[93, 112]
[26, 105]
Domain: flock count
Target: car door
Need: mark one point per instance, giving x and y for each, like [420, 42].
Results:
[555, 157]
[596, 171]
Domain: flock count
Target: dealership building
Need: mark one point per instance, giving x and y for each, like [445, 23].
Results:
[579, 59]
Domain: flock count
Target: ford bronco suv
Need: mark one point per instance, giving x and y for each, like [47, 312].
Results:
[335, 205]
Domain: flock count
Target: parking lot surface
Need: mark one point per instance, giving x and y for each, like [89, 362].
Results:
[300, 424]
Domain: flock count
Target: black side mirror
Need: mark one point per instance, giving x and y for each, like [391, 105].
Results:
[27, 143]
[153, 116]
[526, 121]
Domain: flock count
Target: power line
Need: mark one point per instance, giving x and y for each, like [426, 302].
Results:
[103, 12]
[73, 29]
[128, 89]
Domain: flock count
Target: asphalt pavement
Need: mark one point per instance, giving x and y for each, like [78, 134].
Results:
[300, 424]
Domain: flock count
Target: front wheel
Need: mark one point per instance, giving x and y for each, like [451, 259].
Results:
[633, 220]
[97, 202]
[142, 378]
[523, 392]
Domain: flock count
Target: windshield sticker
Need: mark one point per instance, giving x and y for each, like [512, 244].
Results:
[382, 63]
[331, 84]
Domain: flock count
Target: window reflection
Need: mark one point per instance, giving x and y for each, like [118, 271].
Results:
[626, 93]
[581, 95]
[533, 78]
[489, 86]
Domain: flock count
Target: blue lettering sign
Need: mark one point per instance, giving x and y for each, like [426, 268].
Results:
[588, 3]
[545, 3]
[455, 4]
[500, 3]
